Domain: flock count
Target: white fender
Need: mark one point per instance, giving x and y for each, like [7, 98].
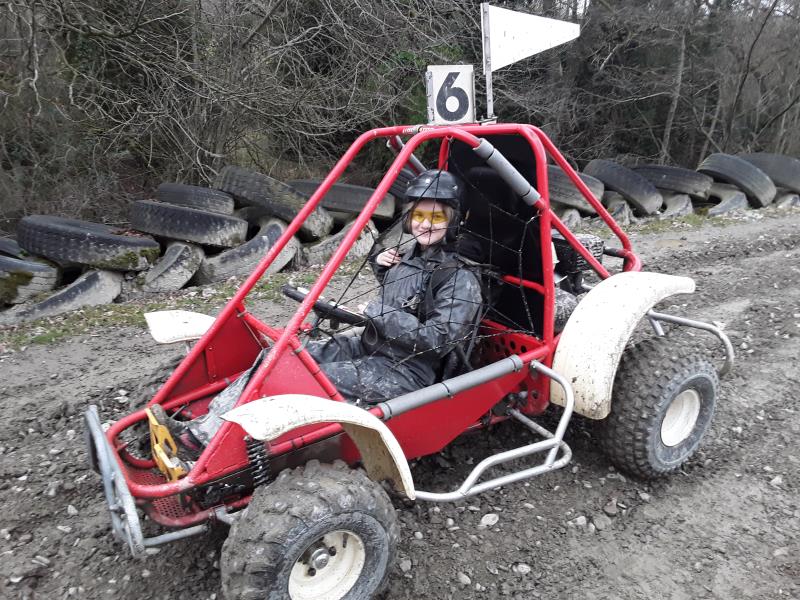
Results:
[597, 332]
[383, 458]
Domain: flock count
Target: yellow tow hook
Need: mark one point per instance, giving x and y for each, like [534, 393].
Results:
[165, 450]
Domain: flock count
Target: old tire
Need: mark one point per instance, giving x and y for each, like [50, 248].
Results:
[676, 206]
[783, 170]
[787, 200]
[729, 203]
[290, 527]
[72, 242]
[319, 253]
[90, 289]
[188, 224]
[642, 195]
[563, 191]
[193, 196]
[9, 247]
[746, 176]
[570, 217]
[400, 185]
[676, 179]
[243, 259]
[278, 199]
[347, 198]
[662, 405]
[174, 269]
[618, 208]
[21, 279]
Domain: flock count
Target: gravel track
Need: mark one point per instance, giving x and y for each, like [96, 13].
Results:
[726, 526]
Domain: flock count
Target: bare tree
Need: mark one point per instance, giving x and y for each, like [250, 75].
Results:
[103, 99]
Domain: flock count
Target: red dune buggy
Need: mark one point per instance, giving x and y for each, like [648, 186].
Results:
[298, 473]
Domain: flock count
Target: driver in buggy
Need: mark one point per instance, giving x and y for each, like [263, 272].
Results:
[428, 303]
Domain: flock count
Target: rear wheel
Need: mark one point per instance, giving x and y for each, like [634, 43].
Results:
[319, 531]
[662, 406]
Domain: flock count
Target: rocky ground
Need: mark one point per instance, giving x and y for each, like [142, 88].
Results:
[726, 526]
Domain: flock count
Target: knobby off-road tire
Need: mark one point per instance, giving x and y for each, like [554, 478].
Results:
[72, 242]
[347, 198]
[21, 280]
[746, 176]
[569, 261]
[188, 224]
[264, 553]
[676, 179]
[644, 198]
[563, 191]
[193, 196]
[662, 405]
[280, 200]
[783, 170]
[565, 305]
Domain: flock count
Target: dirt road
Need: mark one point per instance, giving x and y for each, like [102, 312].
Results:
[727, 526]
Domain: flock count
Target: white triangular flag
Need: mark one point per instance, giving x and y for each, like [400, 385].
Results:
[513, 35]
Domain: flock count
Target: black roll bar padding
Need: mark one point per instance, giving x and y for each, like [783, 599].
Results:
[450, 387]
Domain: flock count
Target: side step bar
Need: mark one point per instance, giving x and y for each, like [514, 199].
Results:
[552, 443]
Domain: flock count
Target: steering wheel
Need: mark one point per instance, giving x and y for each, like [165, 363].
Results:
[327, 309]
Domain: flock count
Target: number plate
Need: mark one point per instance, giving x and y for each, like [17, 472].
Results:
[451, 94]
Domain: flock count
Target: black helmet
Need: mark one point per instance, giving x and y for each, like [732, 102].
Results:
[436, 184]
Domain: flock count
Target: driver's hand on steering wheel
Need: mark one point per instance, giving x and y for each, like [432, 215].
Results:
[389, 258]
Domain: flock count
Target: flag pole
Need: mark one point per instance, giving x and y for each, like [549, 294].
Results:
[487, 60]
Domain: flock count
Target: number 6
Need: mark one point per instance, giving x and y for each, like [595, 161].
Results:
[448, 91]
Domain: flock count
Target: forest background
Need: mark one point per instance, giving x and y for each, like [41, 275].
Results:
[102, 100]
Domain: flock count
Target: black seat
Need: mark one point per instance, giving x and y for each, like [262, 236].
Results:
[507, 229]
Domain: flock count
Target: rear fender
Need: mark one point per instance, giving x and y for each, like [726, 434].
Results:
[597, 332]
[269, 418]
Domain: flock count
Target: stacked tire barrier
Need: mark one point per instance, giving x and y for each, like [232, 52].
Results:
[720, 185]
[187, 235]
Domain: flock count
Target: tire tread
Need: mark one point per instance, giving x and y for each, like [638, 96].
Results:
[280, 200]
[294, 499]
[643, 378]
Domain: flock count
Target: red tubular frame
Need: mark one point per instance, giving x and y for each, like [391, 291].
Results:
[286, 338]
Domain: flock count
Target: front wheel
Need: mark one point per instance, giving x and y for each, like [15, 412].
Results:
[319, 531]
[662, 406]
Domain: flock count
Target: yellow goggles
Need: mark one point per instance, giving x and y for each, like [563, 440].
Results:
[434, 217]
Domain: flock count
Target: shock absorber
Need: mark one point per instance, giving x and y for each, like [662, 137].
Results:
[258, 456]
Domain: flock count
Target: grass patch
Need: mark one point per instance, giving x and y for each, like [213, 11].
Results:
[693, 221]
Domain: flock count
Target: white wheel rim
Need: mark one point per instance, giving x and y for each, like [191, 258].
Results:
[344, 562]
[681, 418]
